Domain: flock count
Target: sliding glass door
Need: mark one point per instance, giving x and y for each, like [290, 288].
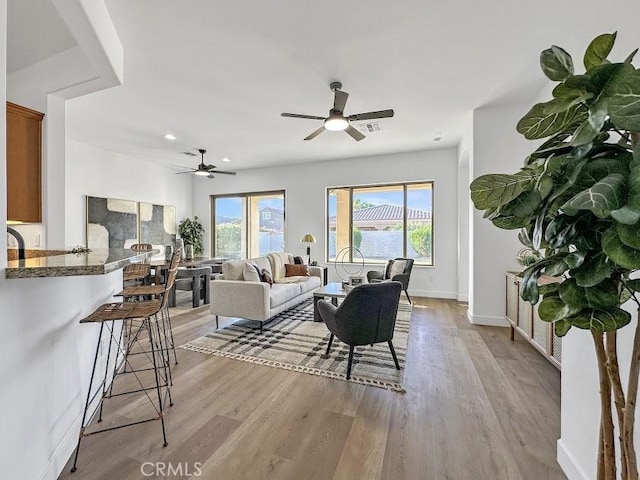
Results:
[248, 225]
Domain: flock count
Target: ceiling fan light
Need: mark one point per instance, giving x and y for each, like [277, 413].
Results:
[336, 124]
[202, 173]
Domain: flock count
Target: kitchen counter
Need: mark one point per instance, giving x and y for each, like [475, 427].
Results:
[97, 262]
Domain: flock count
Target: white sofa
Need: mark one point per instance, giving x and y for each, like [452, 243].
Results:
[233, 296]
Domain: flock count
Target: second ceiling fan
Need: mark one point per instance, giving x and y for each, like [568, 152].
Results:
[337, 120]
[202, 169]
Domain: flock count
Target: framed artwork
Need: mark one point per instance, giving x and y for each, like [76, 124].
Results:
[157, 224]
[111, 223]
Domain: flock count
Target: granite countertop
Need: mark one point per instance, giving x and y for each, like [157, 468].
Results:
[97, 262]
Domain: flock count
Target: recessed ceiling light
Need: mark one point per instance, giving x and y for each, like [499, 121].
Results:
[225, 159]
[170, 136]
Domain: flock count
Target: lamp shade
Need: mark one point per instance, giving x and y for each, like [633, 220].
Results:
[308, 238]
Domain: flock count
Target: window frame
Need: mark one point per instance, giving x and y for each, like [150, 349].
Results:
[405, 220]
[246, 196]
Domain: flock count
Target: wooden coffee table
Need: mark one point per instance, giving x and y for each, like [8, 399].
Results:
[331, 290]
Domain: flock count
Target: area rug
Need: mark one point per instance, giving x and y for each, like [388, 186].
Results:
[293, 341]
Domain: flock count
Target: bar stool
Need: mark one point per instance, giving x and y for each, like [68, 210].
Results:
[135, 292]
[137, 319]
[137, 271]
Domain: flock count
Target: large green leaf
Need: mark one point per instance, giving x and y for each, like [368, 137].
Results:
[618, 252]
[564, 91]
[629, 235]
[556, 63]
[605, 195]
[510, 222]
[590, 128]
[561, 327]
[575, 259]
[538, 124]
[594, 270]
[603, 295]
[556, 268]
[523, 205]
[598, 50]
[552, 309]
[494, 190]
[601, 320]
[624, 102]
[599, 168]
[629, 214]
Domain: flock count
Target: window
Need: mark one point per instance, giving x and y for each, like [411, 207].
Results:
[381, 222]
[248, 225]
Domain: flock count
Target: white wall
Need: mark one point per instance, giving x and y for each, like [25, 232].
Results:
[497, 148]
[100, 173]
[465, 158]
[305, 187]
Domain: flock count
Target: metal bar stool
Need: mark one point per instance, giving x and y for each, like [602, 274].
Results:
[135, 292]
[137, 271]
[137, 319]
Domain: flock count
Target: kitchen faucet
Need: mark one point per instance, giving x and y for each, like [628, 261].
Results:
[20, 239]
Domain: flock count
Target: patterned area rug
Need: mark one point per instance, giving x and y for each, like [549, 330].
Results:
[293, 341]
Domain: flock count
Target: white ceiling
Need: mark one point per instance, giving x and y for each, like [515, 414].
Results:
[218, 74]
[35, 32]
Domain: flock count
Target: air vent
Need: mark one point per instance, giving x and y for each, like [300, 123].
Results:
[188, 154]
[369, 127]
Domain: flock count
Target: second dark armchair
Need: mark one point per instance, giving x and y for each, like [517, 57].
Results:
[397, 270]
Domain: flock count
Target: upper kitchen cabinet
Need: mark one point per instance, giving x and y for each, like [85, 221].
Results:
[24, 164]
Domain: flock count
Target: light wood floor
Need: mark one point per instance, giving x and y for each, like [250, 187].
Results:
[477, 407]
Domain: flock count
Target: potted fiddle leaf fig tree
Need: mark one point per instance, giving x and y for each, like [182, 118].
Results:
[576, 201]
[191, 232]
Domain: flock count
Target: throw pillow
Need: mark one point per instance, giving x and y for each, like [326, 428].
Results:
[250, 273]
[387, 270]
[397, 267]
[298, 260]
[266, 277]
[296, 270]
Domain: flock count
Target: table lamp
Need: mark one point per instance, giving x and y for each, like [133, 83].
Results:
[308, 238]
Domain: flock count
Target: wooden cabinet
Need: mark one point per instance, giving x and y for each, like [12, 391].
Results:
[24, 164]
[524, 319]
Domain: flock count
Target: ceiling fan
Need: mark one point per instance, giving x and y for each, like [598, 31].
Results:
[204, 170]
[337, 121]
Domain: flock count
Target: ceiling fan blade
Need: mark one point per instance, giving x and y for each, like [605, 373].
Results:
[340, 100]
[222, 171]
[180, 166]
[210, 175]
[189, 171]
[357, 136]
[316, 133]
[298, 115]
[372, 115]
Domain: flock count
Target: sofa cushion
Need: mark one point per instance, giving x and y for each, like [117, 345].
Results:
[295, 270]
[283, 292]
[397, 267]
[233, 269]
[310, 284]
[263, 263]
[251, 272]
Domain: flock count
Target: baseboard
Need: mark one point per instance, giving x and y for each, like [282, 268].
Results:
[462, 297]
[488, 321]
[432, 294]
[62, 453]
[568, 463]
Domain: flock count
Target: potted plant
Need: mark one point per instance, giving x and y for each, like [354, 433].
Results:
[191, 232]
[576, 201]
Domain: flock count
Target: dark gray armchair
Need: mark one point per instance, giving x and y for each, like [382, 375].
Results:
[366, 316]
[374, 276]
